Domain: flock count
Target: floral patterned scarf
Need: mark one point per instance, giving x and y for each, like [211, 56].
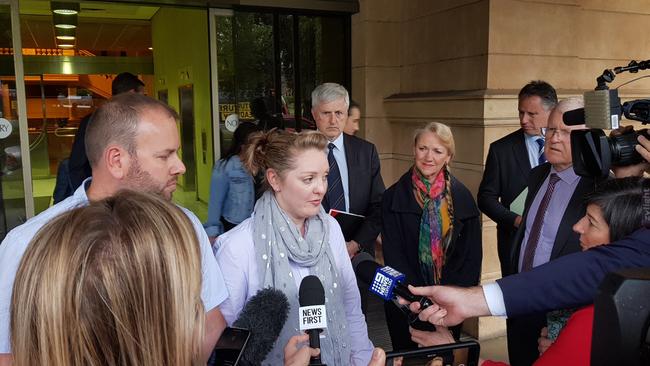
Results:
[433, 242]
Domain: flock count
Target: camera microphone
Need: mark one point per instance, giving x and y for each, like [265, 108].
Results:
[602, 111]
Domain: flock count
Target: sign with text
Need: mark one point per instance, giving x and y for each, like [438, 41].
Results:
[312, 317]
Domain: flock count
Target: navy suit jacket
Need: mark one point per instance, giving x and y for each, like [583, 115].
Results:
[365, 188]
[572, 280]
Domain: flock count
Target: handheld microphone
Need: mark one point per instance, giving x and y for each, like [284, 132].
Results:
[388, 283]
[385, 282]
[264, 316]
[312, 315]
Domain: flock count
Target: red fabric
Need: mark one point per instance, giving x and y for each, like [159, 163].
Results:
[573, 345]
[493, 363]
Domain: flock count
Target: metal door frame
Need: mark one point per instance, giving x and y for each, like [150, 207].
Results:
[21, 99]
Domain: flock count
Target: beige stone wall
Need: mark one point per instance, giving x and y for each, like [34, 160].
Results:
[462, 62]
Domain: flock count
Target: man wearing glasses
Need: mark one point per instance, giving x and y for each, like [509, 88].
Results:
[553, 204]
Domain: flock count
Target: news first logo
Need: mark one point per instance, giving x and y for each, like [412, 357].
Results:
[384, 282]
[313, 317]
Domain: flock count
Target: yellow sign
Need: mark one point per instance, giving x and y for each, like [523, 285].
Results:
[243, 109]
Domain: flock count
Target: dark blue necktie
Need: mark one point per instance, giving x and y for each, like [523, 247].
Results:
[542, 157]
[335, 194]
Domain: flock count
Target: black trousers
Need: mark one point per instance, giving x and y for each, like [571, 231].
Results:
[523, 333]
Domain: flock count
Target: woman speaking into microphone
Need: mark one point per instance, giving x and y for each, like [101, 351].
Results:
[288, 237]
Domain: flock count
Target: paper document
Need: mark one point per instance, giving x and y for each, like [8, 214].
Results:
[517, 206]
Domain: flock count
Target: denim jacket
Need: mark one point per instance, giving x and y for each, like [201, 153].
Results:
[232, 195]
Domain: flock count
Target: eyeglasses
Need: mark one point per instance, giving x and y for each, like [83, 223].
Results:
[562, 133]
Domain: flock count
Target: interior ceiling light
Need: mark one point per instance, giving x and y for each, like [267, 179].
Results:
[65, 21]
[66, 45]
[65, 34]
[64, 8]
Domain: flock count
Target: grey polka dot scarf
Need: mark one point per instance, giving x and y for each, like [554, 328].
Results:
[278, 242]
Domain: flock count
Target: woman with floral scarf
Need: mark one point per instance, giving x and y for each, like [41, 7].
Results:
[430, 227]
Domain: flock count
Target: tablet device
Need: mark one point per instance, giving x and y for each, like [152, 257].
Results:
[230, 347]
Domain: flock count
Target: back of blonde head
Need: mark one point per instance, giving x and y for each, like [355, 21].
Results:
[115, 283]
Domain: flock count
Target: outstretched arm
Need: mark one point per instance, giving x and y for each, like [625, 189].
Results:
[452, 304]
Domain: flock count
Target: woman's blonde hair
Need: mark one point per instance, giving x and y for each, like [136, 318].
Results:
[442, 131]
[117, 282]
[277, 150]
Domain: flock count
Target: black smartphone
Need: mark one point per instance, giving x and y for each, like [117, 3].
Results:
[455, 354]
[230, 347]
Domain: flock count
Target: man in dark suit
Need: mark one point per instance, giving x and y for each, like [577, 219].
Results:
[354, 182]
[509, 162]
[555, 202]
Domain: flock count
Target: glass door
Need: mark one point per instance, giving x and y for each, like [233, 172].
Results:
[12, 187]
[265, 65]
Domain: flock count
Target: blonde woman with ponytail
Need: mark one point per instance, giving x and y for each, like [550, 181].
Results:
[289, 236]
[115, 283]
[430, 227]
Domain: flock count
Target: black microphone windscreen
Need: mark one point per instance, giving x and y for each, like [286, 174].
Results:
[574, 117]
[361, 257]
[311, 291]
[366, 270]
[264, 316]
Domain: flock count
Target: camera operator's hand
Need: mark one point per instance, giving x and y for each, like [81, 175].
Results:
[643, 148]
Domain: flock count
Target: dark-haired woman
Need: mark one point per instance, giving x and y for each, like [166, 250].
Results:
[430, 226]
[232, 192]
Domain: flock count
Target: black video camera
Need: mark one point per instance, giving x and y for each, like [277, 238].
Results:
[594, 153]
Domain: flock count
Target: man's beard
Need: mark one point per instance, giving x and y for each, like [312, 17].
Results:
[140, 180]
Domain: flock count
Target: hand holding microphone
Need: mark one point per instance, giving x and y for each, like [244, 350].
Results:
[295, 355]
[439, 305]
[453, 304]
[385, 282]
[388, 284]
